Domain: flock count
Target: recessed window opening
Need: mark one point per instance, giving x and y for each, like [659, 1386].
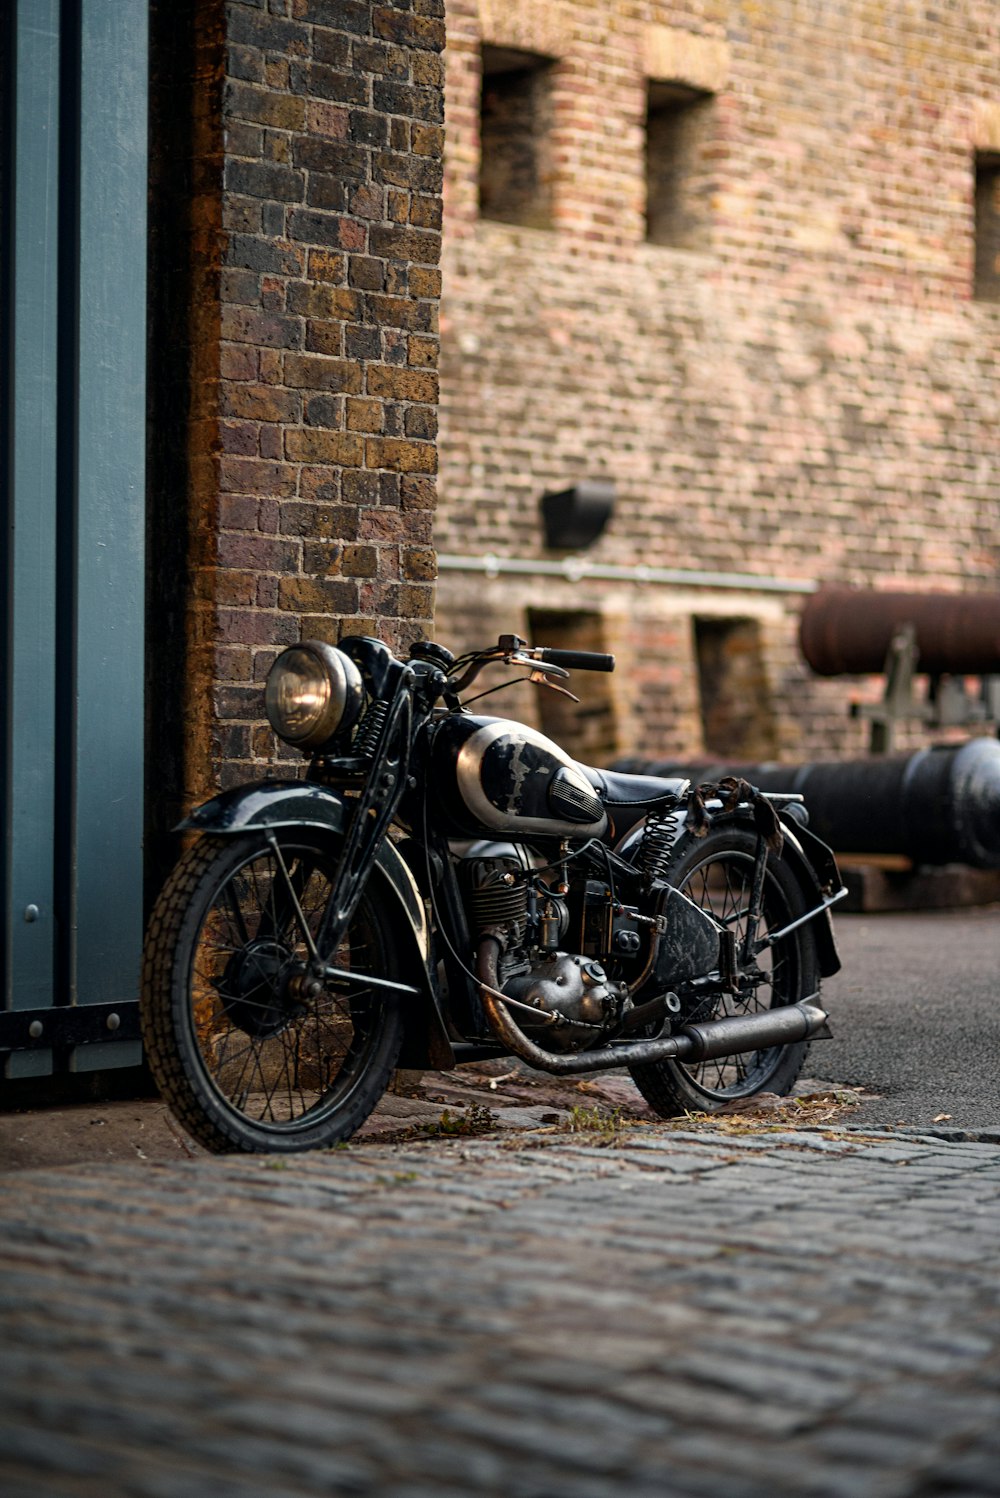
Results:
[736, 710]
[515, 174]
[680, 134]
[986, 284]
[588, 729]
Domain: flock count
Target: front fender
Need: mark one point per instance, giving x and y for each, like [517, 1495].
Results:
[301, 803]
[270, 803]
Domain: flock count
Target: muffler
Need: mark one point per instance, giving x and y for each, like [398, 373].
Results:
[731, 1036]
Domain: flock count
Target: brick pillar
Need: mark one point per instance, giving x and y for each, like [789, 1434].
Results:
[311, 194]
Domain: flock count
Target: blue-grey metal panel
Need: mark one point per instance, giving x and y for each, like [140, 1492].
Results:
[110, 527]
[29, 757]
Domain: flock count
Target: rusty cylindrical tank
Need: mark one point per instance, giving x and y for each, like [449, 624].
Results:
[847, 631]
[936, 806]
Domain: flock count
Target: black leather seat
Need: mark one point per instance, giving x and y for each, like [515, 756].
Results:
[629, 798]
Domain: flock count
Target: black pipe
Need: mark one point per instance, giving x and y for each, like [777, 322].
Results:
[937, 806]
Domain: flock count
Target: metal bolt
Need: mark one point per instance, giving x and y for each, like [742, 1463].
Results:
[113, 1022]
[31, 913]
[35, 1029]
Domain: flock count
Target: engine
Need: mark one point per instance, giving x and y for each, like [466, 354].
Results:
[572, 948]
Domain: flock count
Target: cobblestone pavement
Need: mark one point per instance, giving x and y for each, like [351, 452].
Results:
[535, 1316]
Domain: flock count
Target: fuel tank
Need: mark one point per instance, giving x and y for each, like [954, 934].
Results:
[492, 775]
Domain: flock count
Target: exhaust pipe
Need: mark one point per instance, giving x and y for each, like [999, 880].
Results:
[731, 1036]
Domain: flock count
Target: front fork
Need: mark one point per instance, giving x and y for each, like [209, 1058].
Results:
[371, 815]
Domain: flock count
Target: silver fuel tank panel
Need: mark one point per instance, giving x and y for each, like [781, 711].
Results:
[494, 775]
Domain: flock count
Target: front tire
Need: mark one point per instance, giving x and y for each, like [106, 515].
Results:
[716, 872]
[247, 1058]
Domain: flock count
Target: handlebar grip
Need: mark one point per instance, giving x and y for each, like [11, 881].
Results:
[578, 660]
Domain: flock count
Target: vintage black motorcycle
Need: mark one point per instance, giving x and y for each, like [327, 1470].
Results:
[444, 887]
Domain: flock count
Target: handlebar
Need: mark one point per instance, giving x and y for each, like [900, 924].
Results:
[576, 660]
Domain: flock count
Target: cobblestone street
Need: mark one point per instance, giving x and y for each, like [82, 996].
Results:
[530, 1315]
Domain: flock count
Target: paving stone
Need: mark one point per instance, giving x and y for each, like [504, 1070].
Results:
[685, 1317]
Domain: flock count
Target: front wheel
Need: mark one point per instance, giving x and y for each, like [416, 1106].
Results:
[250, 1053]
[716, 872]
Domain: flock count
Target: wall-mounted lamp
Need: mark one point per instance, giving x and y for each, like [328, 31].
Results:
[574, 518]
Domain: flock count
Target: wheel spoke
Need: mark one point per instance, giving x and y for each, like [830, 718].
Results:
[722, 885]
[298, 1054]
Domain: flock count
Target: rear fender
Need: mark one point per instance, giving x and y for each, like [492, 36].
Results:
[809, 859]
[300, 803]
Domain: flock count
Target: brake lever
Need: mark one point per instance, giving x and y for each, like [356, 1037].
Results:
[541, 679]
[520, 658]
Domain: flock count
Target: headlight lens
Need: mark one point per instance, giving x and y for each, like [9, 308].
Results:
[312, 690]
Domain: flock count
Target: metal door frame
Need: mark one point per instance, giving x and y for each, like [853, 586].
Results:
[73, 451]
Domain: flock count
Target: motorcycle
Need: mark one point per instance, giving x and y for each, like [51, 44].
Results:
[444, 887]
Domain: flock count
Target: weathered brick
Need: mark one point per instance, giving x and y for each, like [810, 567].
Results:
[325, 338]
[245, 101]
[343, 15]
[364, 415]
[416, 31]
[314, 372]
[255, 476]
[419, 563]
[327, 266]
[267, 32]
[368, 127]
[417, 245]
[322, 595]
[405, 99]
[258, 553]
[243, 325]
[324, 411]
[332, 194]
[333, 158]
[401, 312]
[418, 421]
[259, 403]
[325, 121]
[402, 456]
[265, 255]
[425, 281]
[314, 227]
[402, 384]
[318, 80]
[418, 494]
[299, 519]
[399, 170]
[264, 179]
[379, 59]
[315, 445]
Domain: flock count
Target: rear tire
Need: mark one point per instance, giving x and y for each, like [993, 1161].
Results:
[716, 872]
[244, 1055]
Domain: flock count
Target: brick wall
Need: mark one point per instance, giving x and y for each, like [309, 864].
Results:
[296, 239]
[805, 389]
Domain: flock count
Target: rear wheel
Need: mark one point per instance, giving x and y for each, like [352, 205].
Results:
[716, 872]
[249, 1053]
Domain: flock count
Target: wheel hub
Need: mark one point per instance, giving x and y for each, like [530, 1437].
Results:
[259, 988]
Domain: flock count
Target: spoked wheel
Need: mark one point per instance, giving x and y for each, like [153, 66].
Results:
[716, 872]
[249, 1050]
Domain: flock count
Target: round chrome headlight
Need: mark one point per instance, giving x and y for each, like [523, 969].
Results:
[312, 690]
